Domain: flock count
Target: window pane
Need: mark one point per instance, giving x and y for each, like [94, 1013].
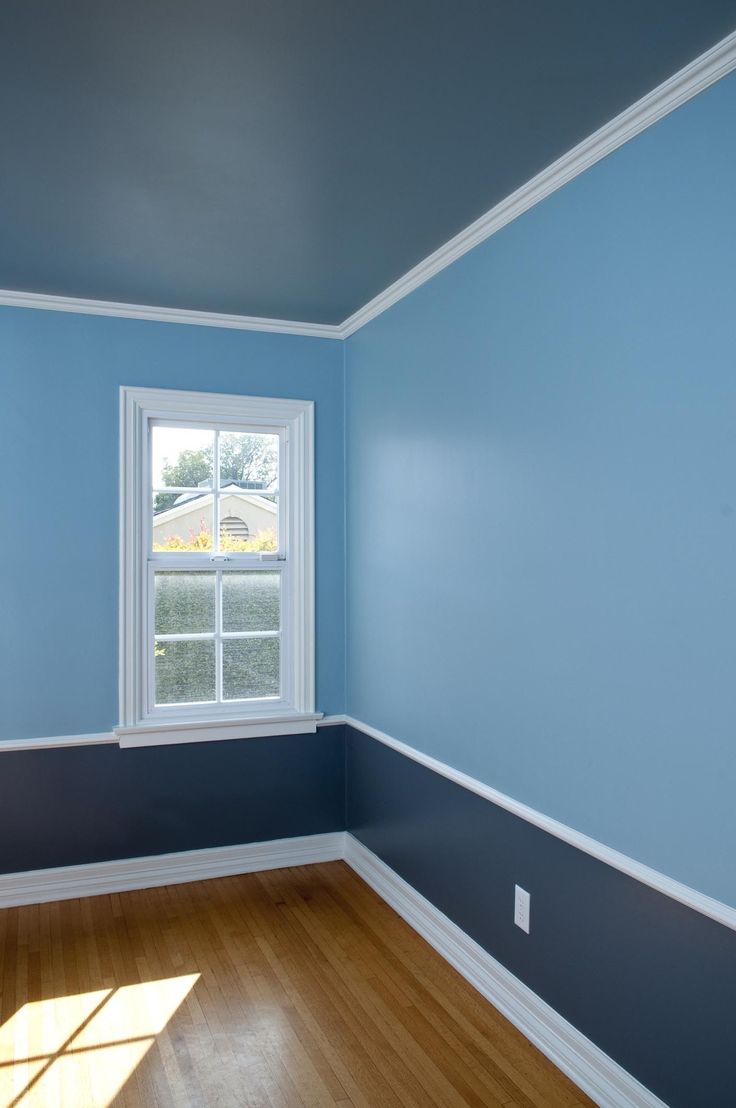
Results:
[248, 521]
[250, 668]
[185, 671]
[251, 461]
[185, 527]
[249, 468]
[184, 603]
[251, 601]
[182, 457]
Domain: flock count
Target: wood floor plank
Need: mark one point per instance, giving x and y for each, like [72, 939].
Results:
[296, 988]
[525, 1075]
[390, 1023]
[399, 992]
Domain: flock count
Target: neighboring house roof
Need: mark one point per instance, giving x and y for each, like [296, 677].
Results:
[204, 499]
[250, 486]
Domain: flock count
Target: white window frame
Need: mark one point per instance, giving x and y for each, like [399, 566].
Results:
[142, 723]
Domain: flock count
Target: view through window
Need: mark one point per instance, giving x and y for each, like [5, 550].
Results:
[216, 635]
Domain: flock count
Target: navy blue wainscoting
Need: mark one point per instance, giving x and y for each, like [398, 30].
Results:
[650, 981]
[92, 804]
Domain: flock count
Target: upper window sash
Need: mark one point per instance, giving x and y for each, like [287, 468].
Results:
[214, 495]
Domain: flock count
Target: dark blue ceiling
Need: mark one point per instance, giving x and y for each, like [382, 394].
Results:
[291, 158]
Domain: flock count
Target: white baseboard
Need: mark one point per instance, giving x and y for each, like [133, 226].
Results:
[68, 882]
[594, 1072]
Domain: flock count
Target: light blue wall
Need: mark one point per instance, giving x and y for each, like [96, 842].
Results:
[542, 502]
[541, 489]
[59, 381]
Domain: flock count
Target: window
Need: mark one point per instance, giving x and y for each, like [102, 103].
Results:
[217, 609]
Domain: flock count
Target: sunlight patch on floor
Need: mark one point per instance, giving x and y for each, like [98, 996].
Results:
[80, 1050]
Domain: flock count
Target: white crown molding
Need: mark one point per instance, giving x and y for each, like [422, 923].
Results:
[43, 302]
[68, 882]
[676, 90]
[609, 1085]
[700, 902]
[698, 75]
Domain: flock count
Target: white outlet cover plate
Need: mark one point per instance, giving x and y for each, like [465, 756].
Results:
[522, 908]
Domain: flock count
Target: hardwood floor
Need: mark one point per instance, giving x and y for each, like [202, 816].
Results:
[296, 987]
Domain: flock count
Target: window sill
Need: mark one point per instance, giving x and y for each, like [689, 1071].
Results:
[166, 734]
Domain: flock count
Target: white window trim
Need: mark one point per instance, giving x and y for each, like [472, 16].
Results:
[295, 712]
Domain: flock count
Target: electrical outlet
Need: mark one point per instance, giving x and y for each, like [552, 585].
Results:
[522, 908]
